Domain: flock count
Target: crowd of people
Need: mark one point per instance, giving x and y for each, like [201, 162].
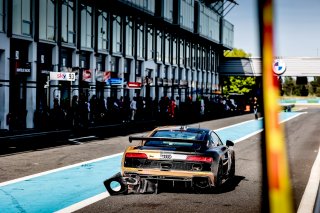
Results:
[82, 113]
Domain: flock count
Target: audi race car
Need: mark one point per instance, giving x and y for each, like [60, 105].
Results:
[195, 156]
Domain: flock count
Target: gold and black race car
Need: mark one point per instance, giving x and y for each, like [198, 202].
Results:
[194, 156]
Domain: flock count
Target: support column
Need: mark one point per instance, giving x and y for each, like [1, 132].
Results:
[120, 91]
[53, 84]
[107, 92]
[132, 77]
[31, 87]
[93, 66]
[75, 84]
[4, 75]
[161, 89]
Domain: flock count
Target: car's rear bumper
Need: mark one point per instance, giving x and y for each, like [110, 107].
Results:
[170, 174]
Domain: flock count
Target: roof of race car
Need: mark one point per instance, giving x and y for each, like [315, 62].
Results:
[201, 131]
[182, 128]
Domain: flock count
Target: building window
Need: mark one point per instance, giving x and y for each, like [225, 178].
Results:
[67, 26]
[116, 35]
[150, 51]
[209, 23]
[174, 50]
[138, 69]
[204, 59]
[140, 40]
[181, 52]
[1, 16]
[86, 26]
[187, 14]
[209, 60]
[188, 59]
[102, 30]
[168, 10]
[159, 46]
[194, 62]
[146, 5]
[21, 17]
[129, 37]
[46, 20]
[167, 48]
[213, 64]
[199, 54]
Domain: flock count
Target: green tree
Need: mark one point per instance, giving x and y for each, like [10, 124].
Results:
[315, 85]
[288, 86]
[238, 84]
[236, 53]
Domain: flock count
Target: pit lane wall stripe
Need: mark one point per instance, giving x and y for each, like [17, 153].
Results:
[60, 188]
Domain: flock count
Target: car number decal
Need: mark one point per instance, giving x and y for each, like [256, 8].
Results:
[169, 156]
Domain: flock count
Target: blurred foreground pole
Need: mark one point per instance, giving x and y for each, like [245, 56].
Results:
[276, 182]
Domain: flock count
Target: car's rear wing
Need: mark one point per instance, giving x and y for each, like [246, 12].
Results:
[185, 140]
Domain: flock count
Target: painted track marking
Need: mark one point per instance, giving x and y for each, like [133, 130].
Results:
[89, 200]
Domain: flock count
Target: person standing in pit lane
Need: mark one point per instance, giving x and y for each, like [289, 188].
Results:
[255, 107]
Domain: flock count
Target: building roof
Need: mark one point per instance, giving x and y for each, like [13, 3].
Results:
[294, 66]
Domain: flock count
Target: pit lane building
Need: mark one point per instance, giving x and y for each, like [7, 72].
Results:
[151, 48]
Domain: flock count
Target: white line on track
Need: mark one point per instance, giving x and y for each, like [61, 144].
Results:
[310, 193]
[84, 203]
[56, 170]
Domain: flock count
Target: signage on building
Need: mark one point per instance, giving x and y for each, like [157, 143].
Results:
[138, 79]
[114, 81]
[183, 83]
[62, 76]
[159, 81]
[148, 81]
[103, 76]
[25, 68]
[134, 85]
[279, 66]
[86, 75]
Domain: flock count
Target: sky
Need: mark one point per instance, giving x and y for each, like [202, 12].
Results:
[296, 27]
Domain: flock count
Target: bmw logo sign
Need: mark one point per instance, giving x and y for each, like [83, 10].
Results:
[279, 67]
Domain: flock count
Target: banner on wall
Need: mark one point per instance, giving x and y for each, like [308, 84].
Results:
[86, 75]
[134, 85]
[114, 81]
[23, 67]
[62, 76]
[103, 76]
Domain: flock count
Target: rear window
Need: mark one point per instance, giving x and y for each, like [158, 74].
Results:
[179, 134]
[176, 134]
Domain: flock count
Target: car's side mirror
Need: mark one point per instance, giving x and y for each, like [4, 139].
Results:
[229, 143]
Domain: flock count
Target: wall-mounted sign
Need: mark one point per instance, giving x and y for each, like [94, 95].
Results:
[86, 75]
[183, 83]
[103, 76]
[134, 85]
[23, 68]
[279, 66]
[114, 81]
[62, 76]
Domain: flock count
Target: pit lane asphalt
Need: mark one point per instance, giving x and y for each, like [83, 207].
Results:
[243, 194]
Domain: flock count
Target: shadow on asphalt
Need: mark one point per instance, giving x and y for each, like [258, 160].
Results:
[180, 187]
[229, 185]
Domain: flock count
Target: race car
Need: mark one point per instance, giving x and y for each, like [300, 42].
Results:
[194, 156]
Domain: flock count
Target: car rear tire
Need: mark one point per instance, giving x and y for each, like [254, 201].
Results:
[219, 176]
[233, 166]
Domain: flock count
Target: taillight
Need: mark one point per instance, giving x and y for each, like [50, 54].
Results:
[136, 155]
[200, 159]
